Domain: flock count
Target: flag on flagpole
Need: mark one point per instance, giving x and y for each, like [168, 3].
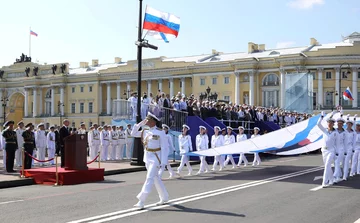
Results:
[33, 33]
[161, 25]
[347, 95]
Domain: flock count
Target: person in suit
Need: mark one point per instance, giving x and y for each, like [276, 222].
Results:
[29, 144]
[10, 145]
[57, 141]
[64, 132]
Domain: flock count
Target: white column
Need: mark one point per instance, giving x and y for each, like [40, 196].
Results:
[62, 95]
[251, 90]
[337, 87]
[354, 90]
[171, 87]
[118, 90]
[108, 99]
[183, 85]
[149, 87]
[160, 85]
[41, 101]
[237, 88]
[282, 88]
[26, 102]
[34, 102]
[320, 88]
[100, 99]
[52, 101]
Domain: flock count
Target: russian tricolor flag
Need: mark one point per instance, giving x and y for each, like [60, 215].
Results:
[161, 25]
[347, 94]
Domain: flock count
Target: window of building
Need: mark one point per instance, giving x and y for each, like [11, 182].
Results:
[214, 80]
[314, 100]
[73, 90]
[358, 75]
[90, 88]
[180, 84]
[226, 80]
[328, 75]
[169, 84]
[271, 80]
[81, 89]
[90, 124]
[73, 124]
[82, 107]
[202, 81]
[358, 97]
[73, 108]
[344, 75]
[102, 123]
[227, 98]
[90, 107]
[313, 75]
[329, 99]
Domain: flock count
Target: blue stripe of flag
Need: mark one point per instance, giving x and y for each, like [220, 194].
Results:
[157, 20]
[164, 37]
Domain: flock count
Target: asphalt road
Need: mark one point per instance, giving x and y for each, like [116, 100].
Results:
[281, 190]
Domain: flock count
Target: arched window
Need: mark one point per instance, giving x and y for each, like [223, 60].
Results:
[270, 80]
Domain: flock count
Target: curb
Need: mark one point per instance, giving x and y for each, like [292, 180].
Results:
[29, 181]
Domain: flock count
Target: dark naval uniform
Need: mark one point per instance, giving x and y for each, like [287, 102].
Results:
[29, 145]
[10, 146]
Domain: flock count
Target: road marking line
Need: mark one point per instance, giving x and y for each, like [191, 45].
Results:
[316, 188]
[283, 161]
[200, 195]
[357, 221]
[8, 202]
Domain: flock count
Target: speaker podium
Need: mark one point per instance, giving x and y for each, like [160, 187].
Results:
[76, 152]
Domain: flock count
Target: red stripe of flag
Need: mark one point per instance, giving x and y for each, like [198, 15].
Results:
[159, 28]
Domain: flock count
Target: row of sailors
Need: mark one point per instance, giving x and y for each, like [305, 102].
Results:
[110, 141]
[341, 147]
[217, 140]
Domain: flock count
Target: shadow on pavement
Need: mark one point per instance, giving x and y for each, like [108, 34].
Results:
[180, 208]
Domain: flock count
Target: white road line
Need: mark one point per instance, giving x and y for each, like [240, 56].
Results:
[316, 188]
[357, 221]
[196, 196]
[8, 202]
[283, 161]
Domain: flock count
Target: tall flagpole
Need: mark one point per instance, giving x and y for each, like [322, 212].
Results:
[30, 42]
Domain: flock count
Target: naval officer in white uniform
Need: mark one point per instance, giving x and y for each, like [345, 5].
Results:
[155, 158]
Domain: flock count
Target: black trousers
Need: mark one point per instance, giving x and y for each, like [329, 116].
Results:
[29, 148]
[62, 152]
[10, 149]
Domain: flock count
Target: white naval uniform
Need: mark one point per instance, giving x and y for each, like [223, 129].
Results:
[40, 141]
[89, 137]
[339, 154]
[185, 146]
[202, 143]
[257, 160]
[350, 142]
[328, 152]
[129, 142]
[2, 147]
[217, 141]
[154, 139]
[169, 149]
[94, 143]
[121, 145]
[50, 143]
[114, 144]
[105, 143]
[229, 139]
[81, 131]
[20, 142]
[242, 137]
[355, 165]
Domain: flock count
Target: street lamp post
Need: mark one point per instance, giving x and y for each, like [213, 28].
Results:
[138, 151]
[347, 73]
[60, 105]
[4, 101]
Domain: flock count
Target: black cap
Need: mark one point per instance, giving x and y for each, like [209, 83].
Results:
[28, 125]
[6, 124]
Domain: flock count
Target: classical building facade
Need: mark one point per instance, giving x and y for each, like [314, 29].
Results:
[49, 93]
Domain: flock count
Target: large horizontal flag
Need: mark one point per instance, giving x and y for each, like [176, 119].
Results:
[161, 25]
[347, 94]
[33, 33]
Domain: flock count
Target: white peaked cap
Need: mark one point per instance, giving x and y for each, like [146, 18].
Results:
[186, 126]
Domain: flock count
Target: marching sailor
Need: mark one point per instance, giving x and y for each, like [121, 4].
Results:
[257, 159]
[50, 142]
[129, 141]
[340, 149]
[355, 167]
[217, 140]
[229, 139]
[94, 141]
[10, 145]
[20, 142]
[202, 143]
[114, 142]
[185, 146]
[169, 148]
[155, 158]
[330, 136]
[350, 142]
[121, 143]
[241, 137]
[40, 140]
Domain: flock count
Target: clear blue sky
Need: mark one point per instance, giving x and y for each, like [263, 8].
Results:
[82, 30]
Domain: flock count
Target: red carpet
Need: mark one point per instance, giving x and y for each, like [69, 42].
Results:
[66, 177]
